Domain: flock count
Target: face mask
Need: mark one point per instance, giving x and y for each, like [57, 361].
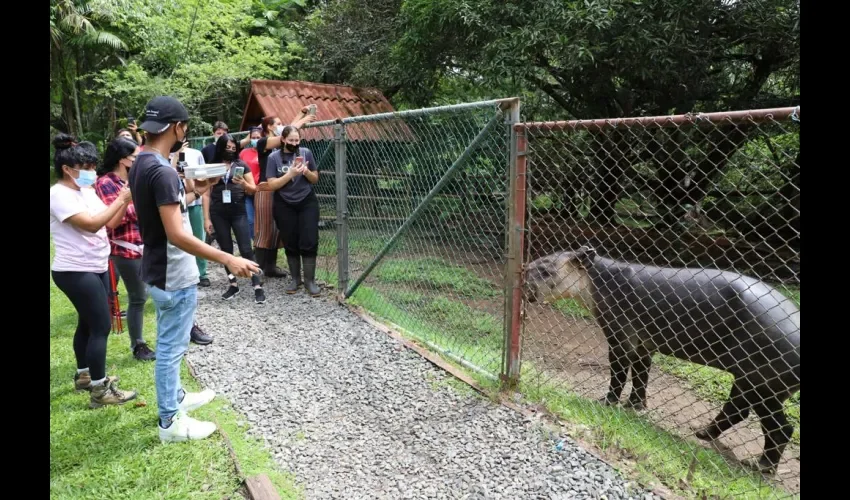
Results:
[229, 155]
[177, 144]
[86, 178]
[291, 147]
[254, 143]
[278, 130]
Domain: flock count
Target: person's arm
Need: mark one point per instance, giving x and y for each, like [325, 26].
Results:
[165, 186]
[270, 143]
[275, 183]
[303, 118]
[118, 218]
[108, 192]
[205, 202]
[310, 170]
[172, 221]
[92, 224]
[247, 180]
[134, 131]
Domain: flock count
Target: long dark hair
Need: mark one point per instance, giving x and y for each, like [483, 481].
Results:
[221, 145]
[66, 153]
[116, 151]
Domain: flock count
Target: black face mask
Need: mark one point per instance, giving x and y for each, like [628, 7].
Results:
[291, 148]
[229, 155]
[178, 144]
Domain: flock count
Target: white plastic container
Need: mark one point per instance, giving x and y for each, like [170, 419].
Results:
[208, 171]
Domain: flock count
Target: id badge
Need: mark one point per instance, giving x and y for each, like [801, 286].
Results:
[225, 196]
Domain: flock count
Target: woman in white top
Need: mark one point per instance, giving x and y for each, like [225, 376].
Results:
[77, 225]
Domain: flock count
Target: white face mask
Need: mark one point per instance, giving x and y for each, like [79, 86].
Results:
[278, 130]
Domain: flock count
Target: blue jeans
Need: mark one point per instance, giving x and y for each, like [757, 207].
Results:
[175, 314]
[249, 206]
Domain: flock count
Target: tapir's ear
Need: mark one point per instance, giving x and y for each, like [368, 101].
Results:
[585, 256]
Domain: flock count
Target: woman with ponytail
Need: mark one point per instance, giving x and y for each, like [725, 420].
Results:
[78, 221]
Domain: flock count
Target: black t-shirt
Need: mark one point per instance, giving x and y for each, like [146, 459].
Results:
[263, 157]
[208, 152]
[155, 183]
[237, 192]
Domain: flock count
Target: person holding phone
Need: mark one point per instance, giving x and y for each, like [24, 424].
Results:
[292, 174]
[131, 132]
[225, 210]
[267, 238]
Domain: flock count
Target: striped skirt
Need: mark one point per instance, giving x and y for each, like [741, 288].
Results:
[266, 234]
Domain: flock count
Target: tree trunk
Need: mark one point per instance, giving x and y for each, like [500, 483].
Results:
[76, 97]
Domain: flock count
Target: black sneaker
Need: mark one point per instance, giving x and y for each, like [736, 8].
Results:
[199, 337]
[231, 292]
[259, 296]
[204, 282]
[143, 353]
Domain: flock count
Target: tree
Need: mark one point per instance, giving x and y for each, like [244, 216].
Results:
[76, 40]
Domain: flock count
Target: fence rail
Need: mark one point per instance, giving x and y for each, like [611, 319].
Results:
[580, 261]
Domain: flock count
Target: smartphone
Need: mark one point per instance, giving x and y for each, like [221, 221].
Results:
[299, 160]
[238, 172]
[131, 120]
[181, 160]
[311, 110]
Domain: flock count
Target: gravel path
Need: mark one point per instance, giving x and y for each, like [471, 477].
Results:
[353, 414]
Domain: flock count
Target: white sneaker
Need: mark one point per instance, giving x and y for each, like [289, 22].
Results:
[184, 428]
[194, 400]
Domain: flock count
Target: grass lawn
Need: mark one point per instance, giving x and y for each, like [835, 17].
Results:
[113, 453]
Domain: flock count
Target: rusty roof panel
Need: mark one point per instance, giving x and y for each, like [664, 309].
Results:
[285, 99]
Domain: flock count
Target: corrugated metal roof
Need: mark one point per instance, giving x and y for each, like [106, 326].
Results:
[285, 99]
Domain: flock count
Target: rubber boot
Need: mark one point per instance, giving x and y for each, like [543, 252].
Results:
[270, 269]
[310, 276]
[294, 274]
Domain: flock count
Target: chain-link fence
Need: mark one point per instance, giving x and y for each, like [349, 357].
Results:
[413, 207]
[581, 261]
[663, 275]
[199, 142]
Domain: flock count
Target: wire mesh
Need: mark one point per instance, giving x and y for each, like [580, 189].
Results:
[199, 142]
[320, 141]
[662, 276]
[433, 184]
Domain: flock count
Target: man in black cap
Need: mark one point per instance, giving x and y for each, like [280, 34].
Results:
[168, 262]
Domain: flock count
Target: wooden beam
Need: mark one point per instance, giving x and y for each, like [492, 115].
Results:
[260, 487]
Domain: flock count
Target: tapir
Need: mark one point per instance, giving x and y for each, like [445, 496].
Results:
[714, 318]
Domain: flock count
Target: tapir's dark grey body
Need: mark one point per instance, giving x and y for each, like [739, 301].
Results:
[720, 319]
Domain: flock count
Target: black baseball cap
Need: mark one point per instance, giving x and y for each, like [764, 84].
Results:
[162, 111]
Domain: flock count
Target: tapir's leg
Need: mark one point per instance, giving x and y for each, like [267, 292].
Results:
[640, 379]
[736, 409]
[777, 432]
[618, 359]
